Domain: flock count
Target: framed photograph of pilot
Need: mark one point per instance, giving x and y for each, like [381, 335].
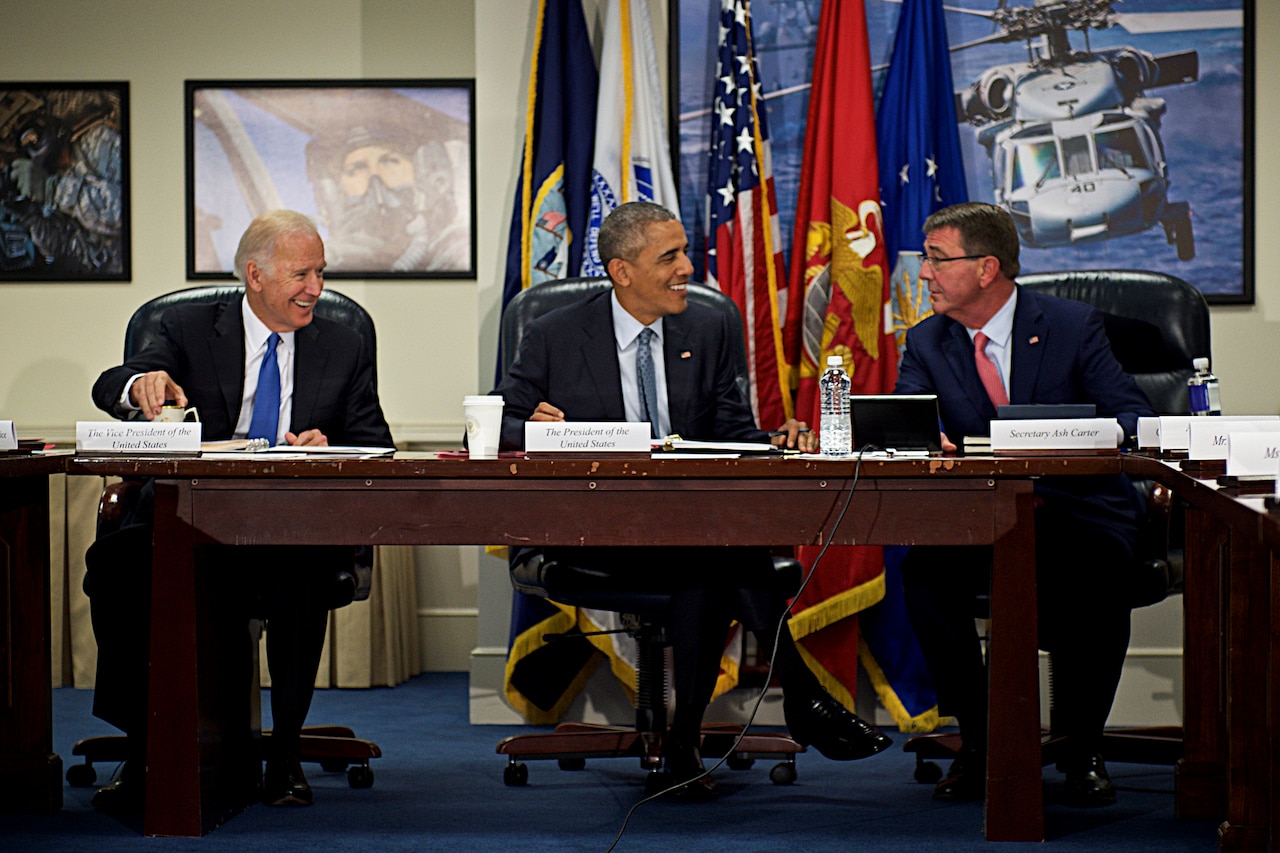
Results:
[64, 182]
[1117, 135]
[386, 168]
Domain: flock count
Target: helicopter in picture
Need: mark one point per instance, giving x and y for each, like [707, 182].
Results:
[1073, 138]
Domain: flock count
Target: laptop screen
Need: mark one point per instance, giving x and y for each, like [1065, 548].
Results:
[902, 422]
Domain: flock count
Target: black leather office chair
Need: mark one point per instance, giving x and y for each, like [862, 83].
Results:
[1156, 325]
[644, 614]
[335, 748]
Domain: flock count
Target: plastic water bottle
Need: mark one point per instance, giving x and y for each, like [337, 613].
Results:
[1202, 389]
[834, 437]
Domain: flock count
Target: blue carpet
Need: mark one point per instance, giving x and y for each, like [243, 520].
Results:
[439, 787]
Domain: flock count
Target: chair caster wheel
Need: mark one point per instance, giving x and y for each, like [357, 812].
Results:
[515, 774]
[572, 763]
[928, 772]
[783, 773]
[360, 776]
[656, 781]
[737, 763]
[81, 775]
[333, 766]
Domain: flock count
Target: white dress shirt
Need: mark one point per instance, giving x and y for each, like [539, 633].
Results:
[626, 331]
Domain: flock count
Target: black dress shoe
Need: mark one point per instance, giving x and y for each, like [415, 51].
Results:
[1088, 784]
[966, 781]
[125, 793]
[284, 784]
[683, 763]
[819, 720]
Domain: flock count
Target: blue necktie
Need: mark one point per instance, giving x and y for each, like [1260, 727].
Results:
[647, 381]
[265, 422]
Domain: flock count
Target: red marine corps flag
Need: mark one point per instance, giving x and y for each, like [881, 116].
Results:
[839, 298]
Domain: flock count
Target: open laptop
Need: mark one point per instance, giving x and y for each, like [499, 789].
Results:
[902, 423]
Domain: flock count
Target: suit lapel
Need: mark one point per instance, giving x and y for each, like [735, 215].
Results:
[309, 357]
[1028, 346]
[226, 348]
[958, 349]
[600, 358]
[680, 372]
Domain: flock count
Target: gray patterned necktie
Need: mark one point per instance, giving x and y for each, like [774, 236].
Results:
[647, 380]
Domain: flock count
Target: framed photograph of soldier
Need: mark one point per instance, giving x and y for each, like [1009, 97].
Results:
[386, 168]
[64, 182]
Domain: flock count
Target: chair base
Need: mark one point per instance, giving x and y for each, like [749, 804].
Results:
[1161, 745]
[335, 748]
[571, 744]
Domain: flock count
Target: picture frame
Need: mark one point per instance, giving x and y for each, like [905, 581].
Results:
[64, 182]
[1204, 128]
[385, 168]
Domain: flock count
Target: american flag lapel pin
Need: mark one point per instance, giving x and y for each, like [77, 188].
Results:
[1035, 339]
[686, 354]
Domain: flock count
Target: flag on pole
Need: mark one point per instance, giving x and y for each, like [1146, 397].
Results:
[632, 159]
[920, 171]
[547, 240]
[631, 162]
[744, 246]
[838, 305]
[553, 193]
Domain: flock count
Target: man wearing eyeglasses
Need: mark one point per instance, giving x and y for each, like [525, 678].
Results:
[990, 343]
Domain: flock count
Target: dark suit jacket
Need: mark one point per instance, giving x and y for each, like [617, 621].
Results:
[1060, 354]
[568, 358]
[202, 348]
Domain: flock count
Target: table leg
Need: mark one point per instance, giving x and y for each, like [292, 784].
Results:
[1200, 782]
[201, 765]
[1015, 799]
[30, 771]
[1248, 749]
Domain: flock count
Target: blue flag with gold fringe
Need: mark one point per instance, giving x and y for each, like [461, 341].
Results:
[920, 171]
[548, 230]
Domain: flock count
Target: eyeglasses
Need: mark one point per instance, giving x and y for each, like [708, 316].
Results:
[936, 262]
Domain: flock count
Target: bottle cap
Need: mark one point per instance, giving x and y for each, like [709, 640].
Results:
[837, 361]
[1200, 363]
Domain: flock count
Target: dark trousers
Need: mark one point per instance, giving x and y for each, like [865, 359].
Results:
[289, 587]
[1084, 578]
[709, 589]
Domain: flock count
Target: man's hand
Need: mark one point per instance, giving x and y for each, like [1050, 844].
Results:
[150, 390]
[546, 412]
[948, 446]
[796, 436]
[307, 438]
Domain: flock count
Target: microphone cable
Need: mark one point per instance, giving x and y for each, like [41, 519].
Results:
[777, 633]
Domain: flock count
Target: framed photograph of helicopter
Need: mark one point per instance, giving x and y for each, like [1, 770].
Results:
[1122, 146]
[385, 167]
[1117, 136]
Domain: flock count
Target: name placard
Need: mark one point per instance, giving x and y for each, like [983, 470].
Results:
[137, 437]
[586, 437]
[1175, 430]
[1055, 434]
[1148, 432]
[1207, 436]
[8, 436]
[1253, 454]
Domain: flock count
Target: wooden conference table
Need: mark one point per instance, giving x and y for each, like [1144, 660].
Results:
[196, 776]
[1231, 658]
[1232, 603]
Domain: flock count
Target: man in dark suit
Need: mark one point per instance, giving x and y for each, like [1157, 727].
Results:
[266, 367]
[587, 362]
[989, 342]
